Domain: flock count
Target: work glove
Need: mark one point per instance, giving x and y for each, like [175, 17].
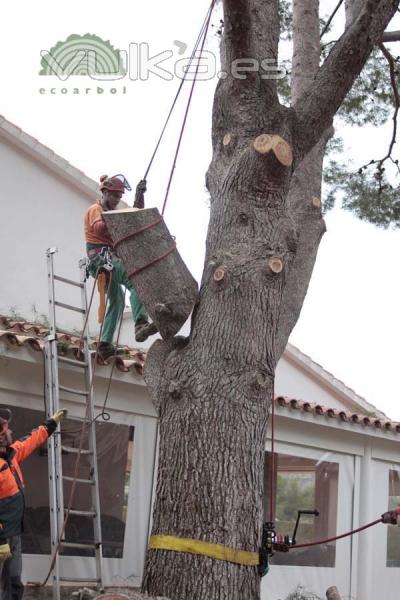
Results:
[139, 196]
[59, 415]
[5, 552]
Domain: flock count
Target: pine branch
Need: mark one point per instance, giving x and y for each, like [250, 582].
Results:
[380, 169]
[329, 21]
[392, 68]
[318, 105]
[391, 36]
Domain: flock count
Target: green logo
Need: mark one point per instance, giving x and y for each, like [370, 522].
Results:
[86, 55]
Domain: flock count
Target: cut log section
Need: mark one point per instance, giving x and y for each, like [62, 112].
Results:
[164, 284]
[333, 594]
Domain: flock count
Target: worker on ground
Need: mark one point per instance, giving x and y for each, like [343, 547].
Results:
[12, 502]
[100, 251]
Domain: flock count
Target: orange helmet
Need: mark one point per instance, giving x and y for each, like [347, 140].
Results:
[117, 183]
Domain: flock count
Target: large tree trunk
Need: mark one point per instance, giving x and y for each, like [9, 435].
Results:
[213, 390]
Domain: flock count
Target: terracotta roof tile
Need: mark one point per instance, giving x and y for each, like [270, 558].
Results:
[16, 333]
[339, 415]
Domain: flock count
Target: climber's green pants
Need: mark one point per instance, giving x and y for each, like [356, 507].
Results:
[116, 298]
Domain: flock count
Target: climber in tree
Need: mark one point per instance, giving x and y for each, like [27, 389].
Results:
[100, 250]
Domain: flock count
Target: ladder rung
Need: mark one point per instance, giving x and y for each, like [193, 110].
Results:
[69, 281]
[69, 333]
[66, 478]
[81, 513]
[73, 391]
[70, 307]
[75, 450]
[76, 545]
[71, 361]
[80, 579]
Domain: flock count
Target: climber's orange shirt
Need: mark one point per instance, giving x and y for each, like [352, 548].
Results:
[95, 229]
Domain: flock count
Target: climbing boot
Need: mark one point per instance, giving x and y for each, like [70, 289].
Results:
[144, 329]
[105, 351]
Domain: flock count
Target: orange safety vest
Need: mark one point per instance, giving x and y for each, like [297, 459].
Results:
[12, 482]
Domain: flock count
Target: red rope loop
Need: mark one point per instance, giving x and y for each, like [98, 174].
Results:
[152, 262]
[137, 232]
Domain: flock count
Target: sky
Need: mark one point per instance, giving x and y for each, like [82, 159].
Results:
[350, 321]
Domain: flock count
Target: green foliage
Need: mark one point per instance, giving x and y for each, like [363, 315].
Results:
[286, 19]
[368, 193]
[300, 593]
[292, 494]
[365, 192]
[370, 101]
[284, 84]
[368, 203]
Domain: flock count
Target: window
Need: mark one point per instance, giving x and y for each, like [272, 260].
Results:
[303, 484]
[393, 533]
[114, 452]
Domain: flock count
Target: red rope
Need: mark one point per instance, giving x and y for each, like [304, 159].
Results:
[272, 480]
[152, 262]
[338, 537]
[188, 107]
[141, 230]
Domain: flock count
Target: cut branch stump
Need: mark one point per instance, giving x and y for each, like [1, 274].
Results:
[164, 284]
[332, 593]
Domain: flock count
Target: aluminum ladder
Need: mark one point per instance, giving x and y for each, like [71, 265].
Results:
[56, 448]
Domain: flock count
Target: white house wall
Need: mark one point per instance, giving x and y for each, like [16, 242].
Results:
[39, 210]
[295, 381]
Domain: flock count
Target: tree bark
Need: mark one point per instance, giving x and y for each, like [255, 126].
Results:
[213, 390]
[305, 189]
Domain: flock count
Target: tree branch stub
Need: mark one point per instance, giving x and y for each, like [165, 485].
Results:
[219, 274]
[276, 265]
[265, 142]
[316, 202]
[227, 139]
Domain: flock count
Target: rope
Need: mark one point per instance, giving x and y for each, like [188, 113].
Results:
[152, 262]
[141, 230]
[272, 496]
[338, 537]
[329, 21]
[155, 260]
[192, 57]
[103, 412]
[204, 37]
[272, 480]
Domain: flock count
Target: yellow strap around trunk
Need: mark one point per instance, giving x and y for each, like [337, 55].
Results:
[170, 542]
